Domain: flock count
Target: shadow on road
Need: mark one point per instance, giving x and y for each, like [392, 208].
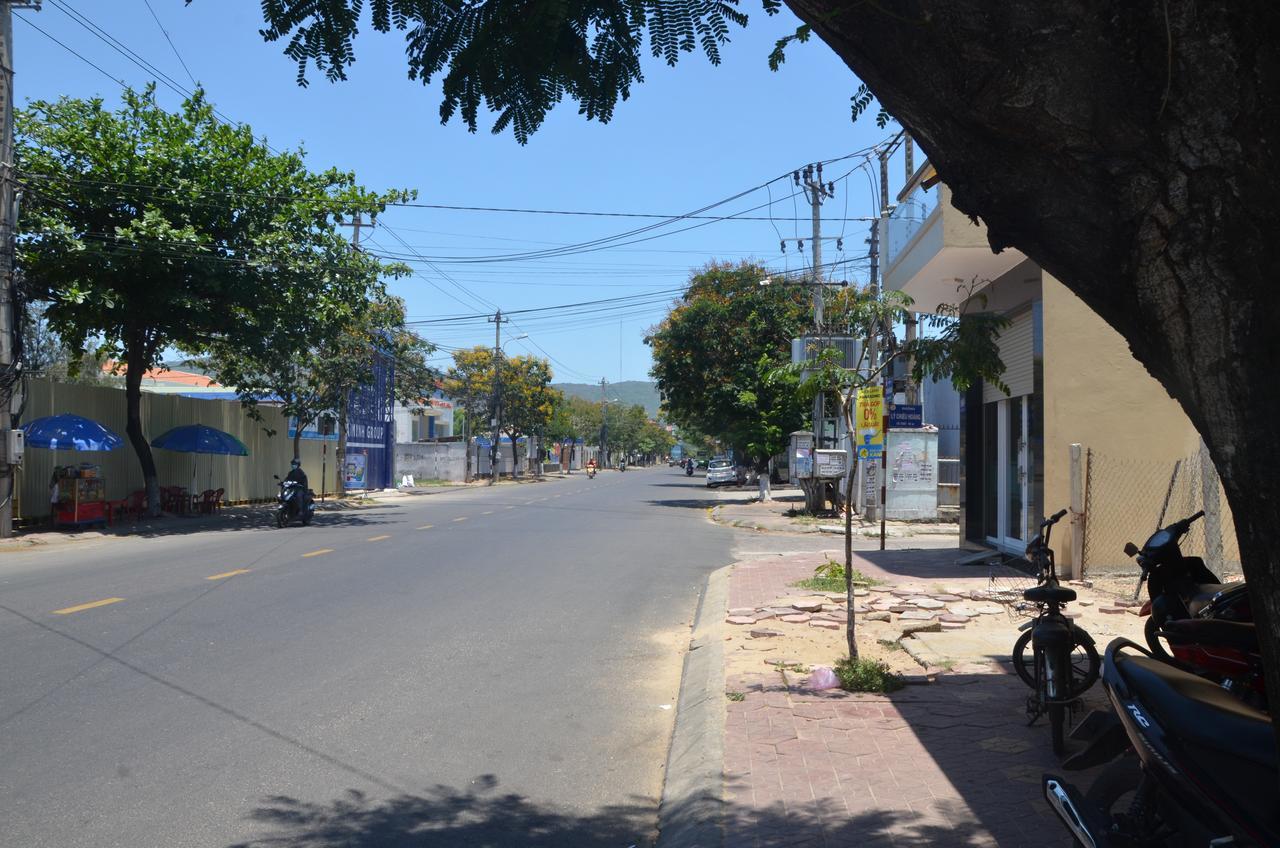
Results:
[686, 503]
[232, 519]
[443, 817]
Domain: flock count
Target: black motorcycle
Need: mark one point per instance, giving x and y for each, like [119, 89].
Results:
[1190, 764]
[1180, 586]
[294, 502]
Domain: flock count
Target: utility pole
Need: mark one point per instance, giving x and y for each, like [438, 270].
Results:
[604, 423]
[498, 320]
[467, 405]
[11, 394]
[355, 224]
[816, 191]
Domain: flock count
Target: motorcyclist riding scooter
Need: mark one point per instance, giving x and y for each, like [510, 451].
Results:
[296, 500]
[591, 468]
[688, 467]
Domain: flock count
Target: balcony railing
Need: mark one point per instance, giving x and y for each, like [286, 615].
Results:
[908, 218]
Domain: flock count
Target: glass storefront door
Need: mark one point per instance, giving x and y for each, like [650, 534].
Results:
[1005, 468]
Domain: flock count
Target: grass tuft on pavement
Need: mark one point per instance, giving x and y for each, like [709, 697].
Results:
[829, 577]
[864, 675]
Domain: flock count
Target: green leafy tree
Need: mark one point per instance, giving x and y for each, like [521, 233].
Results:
[470, 383]
[960, 345]
[341, 357]
[512, 59]
[716, 358]
[528, 399]
[145, 230]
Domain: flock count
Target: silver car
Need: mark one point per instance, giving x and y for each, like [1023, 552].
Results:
[721, 472]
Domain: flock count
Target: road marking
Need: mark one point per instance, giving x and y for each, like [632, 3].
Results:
[426, 527]
[487, 512]
[88, 606]
[461, 518]
[317, 553]
[526, 503]
[378, 538]
[227, 574]
[508, 507]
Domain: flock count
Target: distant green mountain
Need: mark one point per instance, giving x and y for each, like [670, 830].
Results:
[628, 392]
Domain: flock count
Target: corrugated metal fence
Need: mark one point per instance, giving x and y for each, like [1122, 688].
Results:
[244, 478]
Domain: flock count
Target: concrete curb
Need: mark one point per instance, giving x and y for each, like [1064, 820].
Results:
[692, 806]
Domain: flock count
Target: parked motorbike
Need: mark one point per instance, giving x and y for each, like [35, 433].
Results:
[1182, 587]
[1226, 652]
[294, 502]
[1189, 764]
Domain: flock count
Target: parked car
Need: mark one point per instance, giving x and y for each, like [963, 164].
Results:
[721, 472]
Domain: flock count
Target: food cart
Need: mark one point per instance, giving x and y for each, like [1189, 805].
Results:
[81, 496]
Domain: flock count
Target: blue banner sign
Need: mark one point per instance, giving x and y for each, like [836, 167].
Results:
[906, 415]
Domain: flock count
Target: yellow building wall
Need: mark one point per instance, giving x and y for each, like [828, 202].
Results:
[1096, 394]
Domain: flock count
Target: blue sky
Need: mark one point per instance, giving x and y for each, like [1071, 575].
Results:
[688, 137]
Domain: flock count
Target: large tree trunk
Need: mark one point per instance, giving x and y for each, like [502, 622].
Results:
[1128, 149]
[138, 358]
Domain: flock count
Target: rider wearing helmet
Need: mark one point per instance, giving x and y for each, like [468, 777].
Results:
[297, 475]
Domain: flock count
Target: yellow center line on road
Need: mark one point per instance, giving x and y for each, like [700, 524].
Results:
[318, 553]
[88, 606]
[461, 518]
[228, 574]
[378, 538]
[426, 527]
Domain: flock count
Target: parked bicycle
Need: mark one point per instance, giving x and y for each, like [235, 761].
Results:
[1064, 662]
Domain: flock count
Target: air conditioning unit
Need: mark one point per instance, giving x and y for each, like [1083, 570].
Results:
[806, 348]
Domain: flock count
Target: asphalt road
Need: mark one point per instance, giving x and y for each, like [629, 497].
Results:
[481, 667]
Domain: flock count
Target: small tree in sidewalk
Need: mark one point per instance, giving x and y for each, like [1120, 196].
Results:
[959, 343]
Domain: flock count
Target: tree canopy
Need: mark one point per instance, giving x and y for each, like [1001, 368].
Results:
[515, 59]
[528, 402]
[144, 230]
[716, 355]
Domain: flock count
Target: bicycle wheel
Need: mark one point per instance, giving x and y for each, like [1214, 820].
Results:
[1085, 664]
[1023, 662]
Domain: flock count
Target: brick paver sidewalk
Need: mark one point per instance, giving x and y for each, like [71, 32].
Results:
[947, 764]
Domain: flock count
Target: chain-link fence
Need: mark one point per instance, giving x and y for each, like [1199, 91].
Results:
[1126, 500]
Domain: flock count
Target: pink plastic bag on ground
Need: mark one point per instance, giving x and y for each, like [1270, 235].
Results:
[823, 678]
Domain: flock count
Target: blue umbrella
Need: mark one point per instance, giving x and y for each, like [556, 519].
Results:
[197, 438]
[70, 432]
